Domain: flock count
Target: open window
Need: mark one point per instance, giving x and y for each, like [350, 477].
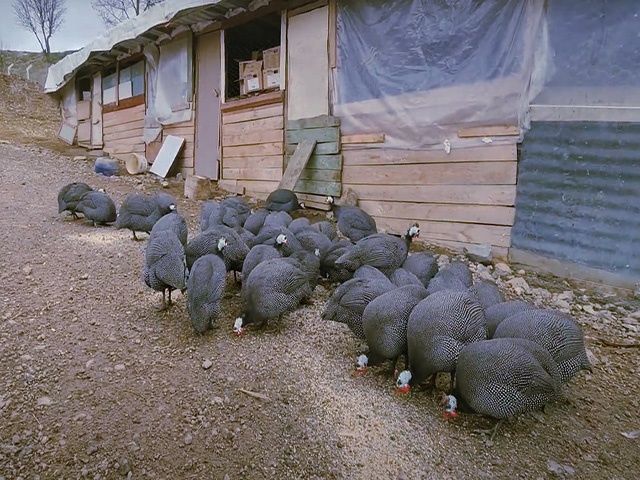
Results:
[252, 57]
[83, 89]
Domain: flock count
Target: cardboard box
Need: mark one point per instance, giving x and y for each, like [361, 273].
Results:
[250, 68]
[271, 78]
[250, 84]
[271, 58]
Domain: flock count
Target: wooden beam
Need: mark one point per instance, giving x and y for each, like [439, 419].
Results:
[252, 102]
[320, 135]
[329, 148]
[363, 138]
[320, 121]
[296, 164]
[333, 34]
[489, 131]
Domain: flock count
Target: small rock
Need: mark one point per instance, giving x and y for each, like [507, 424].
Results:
[165, 184]
[179, 176]
[207, 364]
[122, 466]
[217, 400]
[5, 142]
[502, 269]
[567, 296]
[593, 360]
[91, 449]
[560, 470]
[188, 439]
[79, 158]
[563, 304]
[84, 276]
[589, 309]
[519, 285]
[541, 293]
[479, 253]
[27, 270]
[631, 435]
[44, 401]
[521, 272]
[119, 367]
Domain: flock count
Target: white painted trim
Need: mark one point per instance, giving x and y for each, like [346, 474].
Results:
[283, 51]
[583, 113]
[223, 71]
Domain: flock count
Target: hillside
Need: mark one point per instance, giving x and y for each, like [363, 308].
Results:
[27, 114]
[21, 61]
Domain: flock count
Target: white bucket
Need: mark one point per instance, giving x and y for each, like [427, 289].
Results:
[135, 163]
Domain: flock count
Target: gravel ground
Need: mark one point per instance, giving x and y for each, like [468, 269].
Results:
[96, 383]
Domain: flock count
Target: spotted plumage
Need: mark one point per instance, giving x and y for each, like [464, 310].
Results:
[205, 288]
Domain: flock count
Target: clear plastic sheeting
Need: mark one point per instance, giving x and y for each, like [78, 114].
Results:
[419, 70]
[69, 105]
[169, 85]
[594, 54]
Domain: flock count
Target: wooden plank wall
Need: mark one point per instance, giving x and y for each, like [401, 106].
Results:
[123, 129]
[465, 197]
[186, 130]
[253, 148]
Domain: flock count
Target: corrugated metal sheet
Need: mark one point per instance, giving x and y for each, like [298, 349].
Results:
[578, 194]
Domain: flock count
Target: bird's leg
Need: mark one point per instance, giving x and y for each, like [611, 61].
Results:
[164, 302]
[494, 430]
[394, 371]
[235, 277]
[75, 215]
[169, 296]
[136, 239]
[453, 379]
[95, 225]
[432, 381]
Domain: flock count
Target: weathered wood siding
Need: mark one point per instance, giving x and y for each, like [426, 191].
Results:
[253, 148]
[465, 197]
[186, 130]
[123, 131]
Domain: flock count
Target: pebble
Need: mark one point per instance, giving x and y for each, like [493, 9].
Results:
[560, 470]
[84, 276]
[207, 364]
[44, 401]
[27, 269]
[188, 439]
[502, 269]
[122, 466]
[119, 367]
[519, 285]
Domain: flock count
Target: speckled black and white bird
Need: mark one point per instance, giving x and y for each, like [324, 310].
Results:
[233, 253]
[487, 293]
[328, 268]
[256, 219]
[555, 331]
[498, 312]
[262, 253]
[165, 268]
[453, 276]
[348, 301]
[353, 222]
[439, 327]
[283, 200]
[383, 251]
[423, 265]
[139, 212]
[505, 377]
[70, 195]
[174, 222]
[401, 277]
[384, 322]
[97, 207]
[205, 288]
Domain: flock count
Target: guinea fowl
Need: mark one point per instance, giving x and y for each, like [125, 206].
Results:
[214, 213]
[309, 263]
[505, 377]
[555, 331]
[139, 213]
[205, 287]
[353, 222]
[233, 253]
[327, 228]
[97, 207]
[70, 195]
[328, 267]
[498, 312]
[383, 251]
[283, 200]
[165, 268]
[240, 205]
[299, 224]
[423, 265]
[273, 288]
[454, 276]
[174, 222]
[269, 236]
[312, 240]
[439, 327]
[349, 300]
[277, 219]
[261, 253]
[401, 277]
[255, 221]
[487, 293]
[367, 271]
[384, 322]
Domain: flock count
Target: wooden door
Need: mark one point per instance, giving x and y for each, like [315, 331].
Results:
[96, 111]
[308, 64]
[207, 141]
[84, 123]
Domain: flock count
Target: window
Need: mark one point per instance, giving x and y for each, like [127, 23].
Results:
[247, 42]
[129, 83]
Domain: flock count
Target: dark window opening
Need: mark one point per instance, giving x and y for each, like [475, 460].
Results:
[84, 89]
[247, 42]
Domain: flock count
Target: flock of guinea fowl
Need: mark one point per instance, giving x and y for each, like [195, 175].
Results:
[504, 357]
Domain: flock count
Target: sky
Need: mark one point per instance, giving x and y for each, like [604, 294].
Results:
[82, 24]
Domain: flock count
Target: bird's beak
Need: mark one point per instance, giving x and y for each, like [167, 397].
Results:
[403, 390]
[450, 415]
[360, 371]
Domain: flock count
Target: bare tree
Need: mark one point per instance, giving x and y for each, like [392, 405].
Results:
[42, 17]
[115, 11]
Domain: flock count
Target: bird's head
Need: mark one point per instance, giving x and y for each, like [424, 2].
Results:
[281, 239]
[330, 200]
[222, 243]
[450, 404]
[102, 190]
[403, 382]
[316, 252]
[302, 205]
[414, 231]
[362, 362]
[238, 326]
[172, 207]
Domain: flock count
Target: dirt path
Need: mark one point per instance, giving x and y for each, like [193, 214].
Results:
[95, 382]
